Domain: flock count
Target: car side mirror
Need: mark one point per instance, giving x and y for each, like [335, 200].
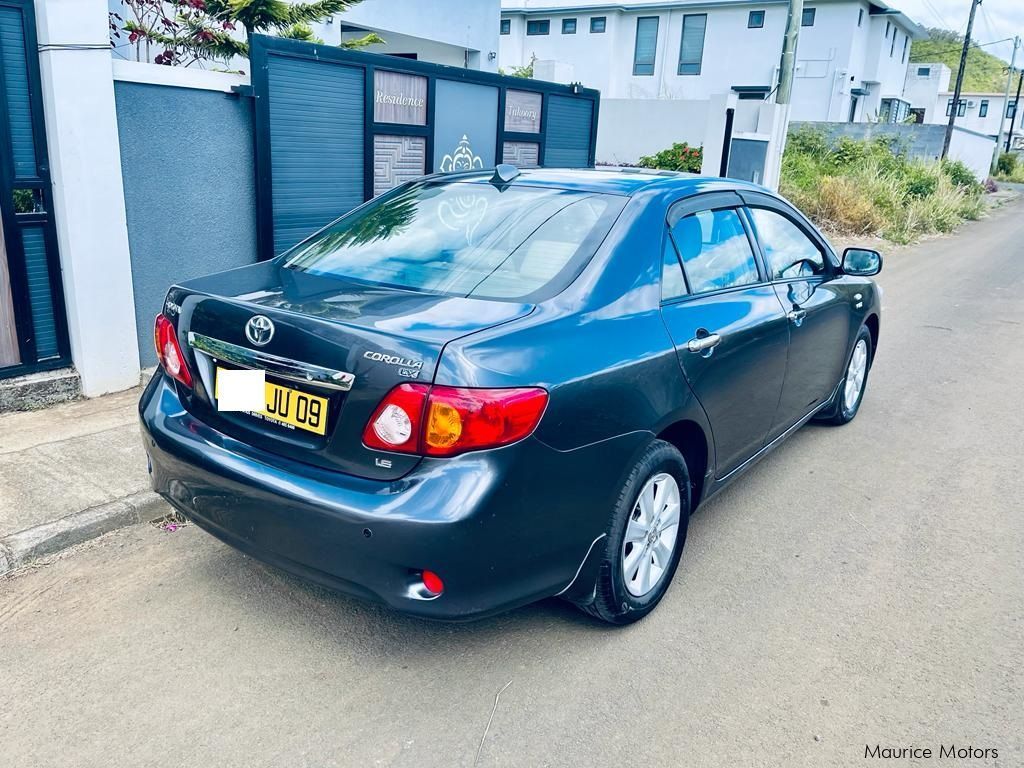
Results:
[862, 262]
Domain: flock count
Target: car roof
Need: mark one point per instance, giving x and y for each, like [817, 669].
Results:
[609, 180]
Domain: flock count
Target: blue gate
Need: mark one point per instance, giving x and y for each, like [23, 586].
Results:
[336, 127]
[33, 332]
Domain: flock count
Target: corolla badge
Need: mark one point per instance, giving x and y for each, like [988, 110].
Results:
[259, 330]
[407, 366]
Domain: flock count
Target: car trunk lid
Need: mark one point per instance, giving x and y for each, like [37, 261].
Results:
[348, 343]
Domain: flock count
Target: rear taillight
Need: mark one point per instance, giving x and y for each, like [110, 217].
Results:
[168, 351]
[446, 421]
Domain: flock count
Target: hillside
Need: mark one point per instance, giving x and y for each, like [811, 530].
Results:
[985, 72]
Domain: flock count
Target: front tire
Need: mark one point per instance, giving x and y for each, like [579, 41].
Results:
[645, 537]
[851, 390]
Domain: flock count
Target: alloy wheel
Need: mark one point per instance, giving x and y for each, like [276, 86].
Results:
[651, 534]
[855, 375]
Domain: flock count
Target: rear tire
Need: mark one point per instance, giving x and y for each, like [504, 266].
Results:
[850, 394]
[644, 538]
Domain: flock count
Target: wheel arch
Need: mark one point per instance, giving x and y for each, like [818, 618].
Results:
[689, 439]
[871, 321]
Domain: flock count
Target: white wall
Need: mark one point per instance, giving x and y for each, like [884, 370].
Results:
[972, 119]
[834, 55]
[922, 91]
[974, 151]
[88, 196]
[630, 128]
[470, 25]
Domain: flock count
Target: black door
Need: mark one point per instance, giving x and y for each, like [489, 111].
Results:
[727, 324]
[818, 313]
[33, 335]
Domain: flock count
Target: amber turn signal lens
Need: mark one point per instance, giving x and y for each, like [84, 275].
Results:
[444, 425]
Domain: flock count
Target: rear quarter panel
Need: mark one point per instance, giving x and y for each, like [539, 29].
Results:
[600, 348]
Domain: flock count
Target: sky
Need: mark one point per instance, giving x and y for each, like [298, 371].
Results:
[995, 20]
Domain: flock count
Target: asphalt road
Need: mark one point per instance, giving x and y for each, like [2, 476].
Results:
[863, 585]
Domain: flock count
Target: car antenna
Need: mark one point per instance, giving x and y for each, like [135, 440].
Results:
[503, 174]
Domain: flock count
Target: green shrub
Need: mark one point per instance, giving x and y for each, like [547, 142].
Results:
[1006, 164]
[680, 157]
[922, 180]
[960, 174]
[873, 187]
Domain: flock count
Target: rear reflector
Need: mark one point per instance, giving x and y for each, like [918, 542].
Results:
[447, 421]
[432, 582]
[168, 351]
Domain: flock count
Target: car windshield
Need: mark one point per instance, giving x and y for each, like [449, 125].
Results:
[463, 238]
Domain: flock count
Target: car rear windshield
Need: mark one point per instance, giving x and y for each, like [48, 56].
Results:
[464, 238]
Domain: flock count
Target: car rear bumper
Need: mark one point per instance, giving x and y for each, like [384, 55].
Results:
[502, 528]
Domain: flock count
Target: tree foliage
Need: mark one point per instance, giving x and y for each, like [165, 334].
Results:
[183, 32]
[984, 73]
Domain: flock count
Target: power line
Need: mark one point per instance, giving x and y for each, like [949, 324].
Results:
[936, 15]
[958, 48]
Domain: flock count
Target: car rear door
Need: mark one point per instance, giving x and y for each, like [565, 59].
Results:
[728, 327]
[805, 278]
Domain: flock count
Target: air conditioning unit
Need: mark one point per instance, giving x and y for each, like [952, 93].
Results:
[970, 104]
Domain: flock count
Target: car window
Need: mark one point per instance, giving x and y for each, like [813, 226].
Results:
[462, 238]
[788, 251]
[715, 250]
[672, 283]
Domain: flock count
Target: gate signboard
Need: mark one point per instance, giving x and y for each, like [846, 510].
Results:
[335, 128]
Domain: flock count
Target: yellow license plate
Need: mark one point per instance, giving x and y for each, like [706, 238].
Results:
[290, 407]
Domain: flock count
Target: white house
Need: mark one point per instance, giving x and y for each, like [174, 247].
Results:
[408, 29]
[931, 101]
[851, 61]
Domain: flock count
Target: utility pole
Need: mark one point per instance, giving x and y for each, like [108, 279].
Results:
[787, 65]
[1006, 104]
[783, 96]
[1016, 109]
[959, 79]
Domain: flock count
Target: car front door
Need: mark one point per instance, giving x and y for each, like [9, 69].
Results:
[729, 330]
[805, 278]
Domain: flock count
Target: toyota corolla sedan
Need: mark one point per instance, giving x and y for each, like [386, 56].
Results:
[485, 389]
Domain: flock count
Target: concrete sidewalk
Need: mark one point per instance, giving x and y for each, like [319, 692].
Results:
[70, 473]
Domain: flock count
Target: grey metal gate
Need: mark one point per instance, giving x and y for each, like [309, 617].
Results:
[33, 332]
[336, 127]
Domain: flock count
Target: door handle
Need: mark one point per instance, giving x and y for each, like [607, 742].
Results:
[796, 316]
[703, 343]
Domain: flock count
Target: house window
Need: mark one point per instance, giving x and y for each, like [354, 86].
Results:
[691, 47]
[924, 71]
[807, 20]
[888, 26]
[893, 111]
[568, 26]
[906, 45]
[860, 16]
[892, 45]
[538, 27]
[646, 47]
[506, 26]
[755, 20]
[983, 108]
[1011, 108]
[961, 108]
[598, 24]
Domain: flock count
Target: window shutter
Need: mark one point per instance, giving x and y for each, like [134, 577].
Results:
[691, 50]
[646, 45]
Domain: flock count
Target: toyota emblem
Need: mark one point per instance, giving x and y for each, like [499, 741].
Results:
[259, 330]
